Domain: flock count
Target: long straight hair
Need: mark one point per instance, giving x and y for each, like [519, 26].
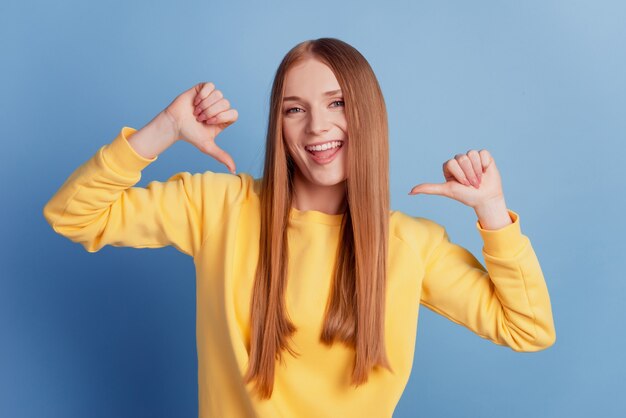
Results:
[355, 311]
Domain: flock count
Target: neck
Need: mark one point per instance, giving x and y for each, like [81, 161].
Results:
[326, 199]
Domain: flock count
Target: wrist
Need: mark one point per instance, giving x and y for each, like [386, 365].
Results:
[154, 138]
[493, 214]
[172, 122]
[166, 126]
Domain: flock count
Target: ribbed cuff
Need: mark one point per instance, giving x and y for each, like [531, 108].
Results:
[122, 157]
[503, 242]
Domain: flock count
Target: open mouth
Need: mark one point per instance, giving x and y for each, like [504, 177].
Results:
[325, 153]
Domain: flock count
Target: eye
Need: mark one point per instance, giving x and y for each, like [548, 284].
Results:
[292, 108]
[288, 111]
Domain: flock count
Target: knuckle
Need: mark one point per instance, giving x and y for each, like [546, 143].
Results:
[205, 89]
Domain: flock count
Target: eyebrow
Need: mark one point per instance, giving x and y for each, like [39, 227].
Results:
[328, 93]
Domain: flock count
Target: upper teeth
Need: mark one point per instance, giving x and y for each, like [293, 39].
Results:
[328, 145]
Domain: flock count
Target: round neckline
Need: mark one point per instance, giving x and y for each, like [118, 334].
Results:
[315, 216]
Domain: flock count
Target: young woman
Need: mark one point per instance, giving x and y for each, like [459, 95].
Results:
[308, 285]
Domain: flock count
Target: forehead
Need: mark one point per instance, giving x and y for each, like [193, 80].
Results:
[309, 78]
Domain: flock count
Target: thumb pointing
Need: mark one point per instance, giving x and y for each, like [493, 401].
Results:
[429, 188]
[222, 156]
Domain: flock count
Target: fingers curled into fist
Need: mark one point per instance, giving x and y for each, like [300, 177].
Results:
[210, 105]
[471, 178]
[467, 168]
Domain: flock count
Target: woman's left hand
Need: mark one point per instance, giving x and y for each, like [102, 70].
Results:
[472, 179]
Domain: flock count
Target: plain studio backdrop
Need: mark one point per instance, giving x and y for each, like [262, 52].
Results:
[540, 84]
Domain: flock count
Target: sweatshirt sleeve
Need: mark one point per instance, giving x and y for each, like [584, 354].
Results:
[507, 303]
[98, 205]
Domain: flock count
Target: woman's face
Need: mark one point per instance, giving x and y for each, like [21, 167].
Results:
[313, 114]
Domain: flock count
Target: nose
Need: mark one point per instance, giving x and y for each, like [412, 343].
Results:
[318, 121]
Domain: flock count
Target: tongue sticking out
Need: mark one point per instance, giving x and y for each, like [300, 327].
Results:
[326, 153]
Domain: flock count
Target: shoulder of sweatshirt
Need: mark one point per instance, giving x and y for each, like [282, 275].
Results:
[424, 235]
[420, 234]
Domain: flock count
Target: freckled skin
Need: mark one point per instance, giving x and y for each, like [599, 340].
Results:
[315, 118]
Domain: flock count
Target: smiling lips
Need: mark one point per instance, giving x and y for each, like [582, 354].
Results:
[324, 145]
[324, 153]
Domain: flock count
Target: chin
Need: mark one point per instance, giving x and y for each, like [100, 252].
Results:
[327, 181]
[320, 175]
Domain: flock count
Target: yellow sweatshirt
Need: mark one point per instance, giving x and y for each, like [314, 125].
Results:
[214, 217]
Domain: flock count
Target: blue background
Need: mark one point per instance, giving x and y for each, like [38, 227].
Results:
[540, 84]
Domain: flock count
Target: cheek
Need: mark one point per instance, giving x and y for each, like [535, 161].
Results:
[290, 139]
[342, 122]
[290, 131]
[289, 147]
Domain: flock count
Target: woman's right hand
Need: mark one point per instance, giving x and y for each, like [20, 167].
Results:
[200, 114]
